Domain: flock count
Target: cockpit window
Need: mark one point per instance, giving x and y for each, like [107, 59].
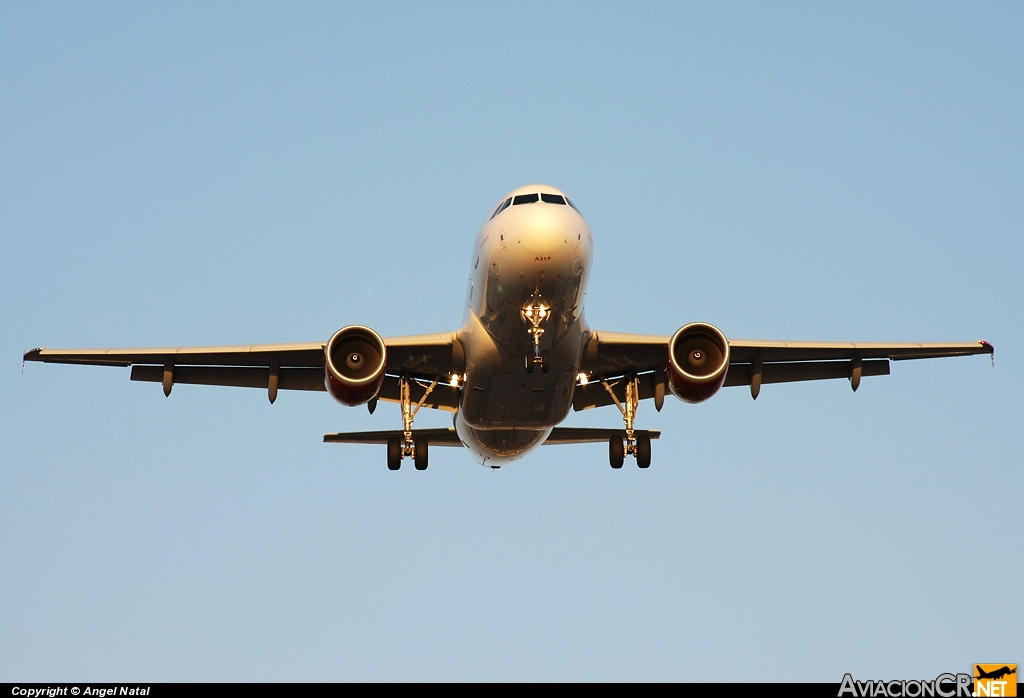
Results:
[504, 204]
[532, 199]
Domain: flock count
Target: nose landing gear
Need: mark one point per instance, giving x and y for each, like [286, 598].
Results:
[636, 444]
[534, 313]
[537, 358]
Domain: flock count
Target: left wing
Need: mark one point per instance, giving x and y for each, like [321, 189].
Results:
[611, 355]
[298, 366]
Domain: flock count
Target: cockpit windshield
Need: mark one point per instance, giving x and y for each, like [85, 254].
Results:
[532, 199]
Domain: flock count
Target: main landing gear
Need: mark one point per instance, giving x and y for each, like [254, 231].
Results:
[534, 313]
[407, 446]
[638, 445]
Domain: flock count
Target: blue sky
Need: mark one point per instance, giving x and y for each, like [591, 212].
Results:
[195, 174]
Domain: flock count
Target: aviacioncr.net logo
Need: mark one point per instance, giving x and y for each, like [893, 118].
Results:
[943, 686]
[995, 680]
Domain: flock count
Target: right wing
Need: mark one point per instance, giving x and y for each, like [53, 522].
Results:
[296, 366]
[610, 355]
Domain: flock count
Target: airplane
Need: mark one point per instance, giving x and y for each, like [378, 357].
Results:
[996, 674]
[523, 358]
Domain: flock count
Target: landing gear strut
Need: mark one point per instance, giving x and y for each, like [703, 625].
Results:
[542, 360]
[407, 446]
[637, 445]
[534, 313]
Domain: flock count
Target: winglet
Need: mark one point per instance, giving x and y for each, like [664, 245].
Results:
[989, 349]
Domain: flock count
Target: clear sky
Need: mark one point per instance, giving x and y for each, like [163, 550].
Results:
[233, 173]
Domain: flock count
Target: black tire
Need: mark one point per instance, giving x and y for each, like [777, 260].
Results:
[421, 454]
[643, 450]
[529, 363]
[544, 361]
[616, 452]
[394, 453]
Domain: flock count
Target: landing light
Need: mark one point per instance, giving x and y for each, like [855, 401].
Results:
[540, 310]
[454, 380]
[583, 378]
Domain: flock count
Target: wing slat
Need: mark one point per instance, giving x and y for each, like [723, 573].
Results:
[306, 354]
[744, 350]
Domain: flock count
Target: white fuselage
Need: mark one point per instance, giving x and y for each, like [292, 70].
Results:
[530, 254]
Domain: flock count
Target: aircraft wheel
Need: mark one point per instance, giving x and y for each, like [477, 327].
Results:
[544, 361]
[394, 453]
[616, 452]
[529, 363]
[643, 450]
[421, 454]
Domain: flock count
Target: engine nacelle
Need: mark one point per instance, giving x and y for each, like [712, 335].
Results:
[698, 359]
[354, 361]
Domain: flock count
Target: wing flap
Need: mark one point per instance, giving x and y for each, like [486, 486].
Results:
[311, 379]
[442, 397]
[792, 372]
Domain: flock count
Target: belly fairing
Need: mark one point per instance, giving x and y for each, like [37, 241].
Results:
[496, 447]
[499, 393]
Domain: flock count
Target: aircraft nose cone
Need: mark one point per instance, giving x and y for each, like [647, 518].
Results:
[545, 242]
[545, 236]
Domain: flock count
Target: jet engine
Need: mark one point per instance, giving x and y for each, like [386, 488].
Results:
[354, 361]
[698, 359]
